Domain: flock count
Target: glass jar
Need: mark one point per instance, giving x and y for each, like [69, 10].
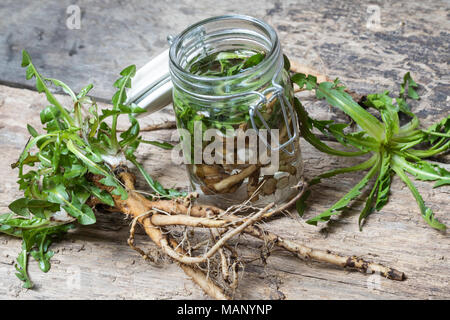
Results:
[239, 132]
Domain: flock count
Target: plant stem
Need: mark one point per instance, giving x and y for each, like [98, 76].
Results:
[364, 119]
[359, 167]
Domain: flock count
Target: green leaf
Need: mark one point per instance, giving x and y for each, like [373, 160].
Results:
[21, 267]
[424, 170]
[76, 170]
[389, 112]
[287, 63]
[111, 181]
[131, 109]
[130, 135]
[83, 92]
[358, 167]
[163, 145]
[37, 242]
[438, 130]
[82, 212]
[384, 181]
[305, 129]
[342, 100]
[253, 60]
[427, 213]
[65, 88]
[20, 207]
[42, 254]
[26, 60]
[40, 208]
[41, 87]
[49, 113]
[341, 205]
[58, 194]
[155, 185]
[301, 205]
[119, 99]
[368, 207]
[29, 73]
[409, 86]
[302, 80]
[358, 139]
[32, 131]
[92, 166]
[129, 71]
[102, 195]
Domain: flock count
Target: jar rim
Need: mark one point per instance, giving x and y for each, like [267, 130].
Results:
[266, 27]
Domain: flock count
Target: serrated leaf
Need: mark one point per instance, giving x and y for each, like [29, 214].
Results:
[427, 213]
[438, 130]
[131, 134]
[65, 88]
[408, 86]
[389, 112]
[129, 71]
[21, 267]
[29, 72]
[425, 171]
[343, 101]
[305, 129]
[40, 86]
[83, 92]
[384, 181]
[369, 205]
[309, 82]
[339, 206]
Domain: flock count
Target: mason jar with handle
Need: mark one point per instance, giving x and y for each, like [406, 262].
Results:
[233, 104]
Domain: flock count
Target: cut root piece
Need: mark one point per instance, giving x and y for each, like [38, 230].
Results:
[327, 256]
[235, 178]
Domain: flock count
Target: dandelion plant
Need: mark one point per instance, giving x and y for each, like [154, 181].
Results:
[393, 148]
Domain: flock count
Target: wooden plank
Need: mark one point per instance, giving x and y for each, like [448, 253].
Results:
[94, 262]
[330, 36]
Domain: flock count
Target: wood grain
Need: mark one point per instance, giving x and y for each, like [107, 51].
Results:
[94, 262]
[329, 36]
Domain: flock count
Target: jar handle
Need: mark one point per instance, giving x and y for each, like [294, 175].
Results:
[278, 92]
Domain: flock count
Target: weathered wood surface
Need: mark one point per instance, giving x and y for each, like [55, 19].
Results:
[94, 262]
[329, 36]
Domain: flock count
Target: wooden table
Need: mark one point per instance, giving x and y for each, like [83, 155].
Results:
[335, 38]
